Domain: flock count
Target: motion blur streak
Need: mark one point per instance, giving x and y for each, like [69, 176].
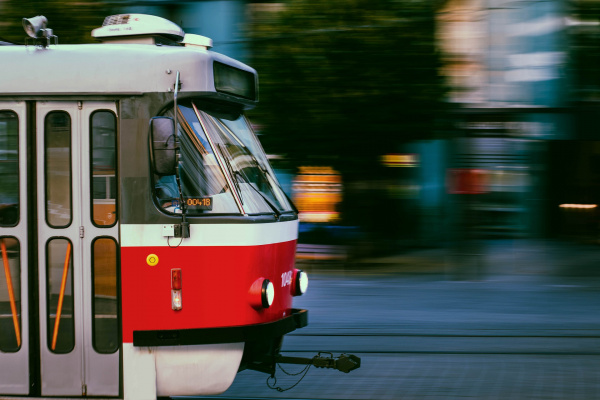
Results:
[445, 160]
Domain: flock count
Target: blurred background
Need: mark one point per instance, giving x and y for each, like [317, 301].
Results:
[445, 160]
[397, 124]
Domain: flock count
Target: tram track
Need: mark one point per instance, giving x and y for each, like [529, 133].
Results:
[421, 373]
[387, 375]
[254, 398]
[450, 352]
[596, 335]
[390, 343]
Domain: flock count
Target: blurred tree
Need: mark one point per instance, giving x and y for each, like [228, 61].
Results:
[71, 20]
[344, 81]
[585, 49]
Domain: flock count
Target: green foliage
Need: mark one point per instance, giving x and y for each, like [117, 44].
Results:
[344, 81]
[71, 20]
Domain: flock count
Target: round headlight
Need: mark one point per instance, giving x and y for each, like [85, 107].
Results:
[301, 282]
[268, 293]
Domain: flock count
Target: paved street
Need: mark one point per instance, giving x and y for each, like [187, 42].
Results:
[430, 376]
[516, 336]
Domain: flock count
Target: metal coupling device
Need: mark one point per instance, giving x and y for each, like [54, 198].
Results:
[344, 363]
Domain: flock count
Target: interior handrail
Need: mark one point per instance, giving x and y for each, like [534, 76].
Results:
[61, 295]
[11, 294]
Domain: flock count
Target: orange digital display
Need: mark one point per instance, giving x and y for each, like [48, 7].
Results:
[199, 203]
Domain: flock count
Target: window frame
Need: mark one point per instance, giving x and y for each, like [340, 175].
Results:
[46, 170]
[91, 172]
[19, 300]
[49, 325]
[18, 204]
[93, 294]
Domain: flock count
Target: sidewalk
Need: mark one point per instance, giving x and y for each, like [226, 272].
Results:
[488, 258]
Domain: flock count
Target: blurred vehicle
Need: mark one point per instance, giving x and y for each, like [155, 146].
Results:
[317, 193]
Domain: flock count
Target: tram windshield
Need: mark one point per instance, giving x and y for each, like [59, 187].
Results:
[223, 169]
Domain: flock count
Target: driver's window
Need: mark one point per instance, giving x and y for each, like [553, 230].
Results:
[201, 176]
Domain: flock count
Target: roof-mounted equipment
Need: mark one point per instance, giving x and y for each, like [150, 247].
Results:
[197, 41]
[139, 29]
[36, 29]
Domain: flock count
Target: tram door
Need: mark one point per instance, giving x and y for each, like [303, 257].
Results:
[14, 302]
[77, 248]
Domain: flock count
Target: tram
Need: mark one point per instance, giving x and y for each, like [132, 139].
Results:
[147, 248]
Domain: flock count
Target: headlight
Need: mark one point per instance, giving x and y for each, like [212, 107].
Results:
[300, 283]
[261, 294]
[268, 293]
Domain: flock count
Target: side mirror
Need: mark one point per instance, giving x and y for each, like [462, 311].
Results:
[163, 150]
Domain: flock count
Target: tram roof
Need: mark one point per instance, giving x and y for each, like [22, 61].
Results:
[105, 69]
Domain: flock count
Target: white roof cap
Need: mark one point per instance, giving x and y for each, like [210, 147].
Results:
[138, 24]
[197, 40]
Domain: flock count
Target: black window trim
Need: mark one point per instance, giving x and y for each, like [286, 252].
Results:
[19, 301]
[70, 169]
[91, 161]
[93, 293]
[18, 171]
[49, 326]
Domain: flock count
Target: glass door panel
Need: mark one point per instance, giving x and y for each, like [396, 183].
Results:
[99, 173]
[105, 296]
[78, 248]
[60, 305]
[60, 249]
[14, 304]
[10, 295]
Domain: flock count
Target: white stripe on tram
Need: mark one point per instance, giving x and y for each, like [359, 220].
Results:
[141, 235]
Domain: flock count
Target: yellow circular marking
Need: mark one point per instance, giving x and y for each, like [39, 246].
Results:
[152, 260]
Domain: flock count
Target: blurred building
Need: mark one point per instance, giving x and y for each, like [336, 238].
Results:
[515, 82]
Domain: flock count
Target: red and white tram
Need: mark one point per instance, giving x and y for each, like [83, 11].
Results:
[146, 246]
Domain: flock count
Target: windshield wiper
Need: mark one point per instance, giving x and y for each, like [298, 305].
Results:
[265, 198]
[270, 179]
[258, 165]
[231, 171]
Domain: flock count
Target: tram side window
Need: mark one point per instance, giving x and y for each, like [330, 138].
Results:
[105, 302]
[103, 139]
[57, 143]
[10, 295]
[59, 291]
[9, 168]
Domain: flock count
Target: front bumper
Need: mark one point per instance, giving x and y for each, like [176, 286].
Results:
[232, 334]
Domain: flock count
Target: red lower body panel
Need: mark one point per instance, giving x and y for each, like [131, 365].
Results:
[216, 281]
